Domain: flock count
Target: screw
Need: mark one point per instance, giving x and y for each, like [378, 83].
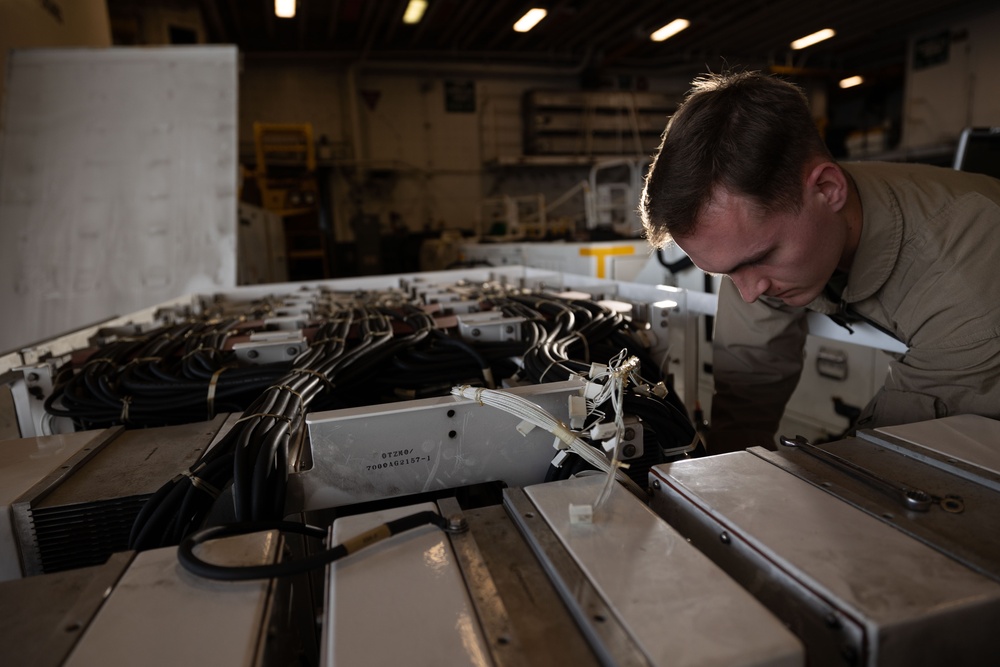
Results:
[630, 433]
[724, 536]
[508, 329]
[457, 524]
[292, 351]
[628, 451]
[475, 332]
[253, 354]
[656, 483]
[32, 377]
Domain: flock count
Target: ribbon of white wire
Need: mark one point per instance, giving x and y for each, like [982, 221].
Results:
[535, 415]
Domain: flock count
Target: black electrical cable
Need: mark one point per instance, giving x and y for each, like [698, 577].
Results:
[202, 568]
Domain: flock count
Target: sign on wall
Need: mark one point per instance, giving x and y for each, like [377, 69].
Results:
[460, 96]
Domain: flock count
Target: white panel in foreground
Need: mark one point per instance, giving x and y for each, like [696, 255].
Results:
[401, 601]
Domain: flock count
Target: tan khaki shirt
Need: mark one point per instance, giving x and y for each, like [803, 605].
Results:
[927, 271]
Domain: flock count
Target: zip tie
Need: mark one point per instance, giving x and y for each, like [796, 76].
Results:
[99, 360]
[302, 401]
[139, 360]
[329, 385]
[212, 384]
[263, 414]
[331, 339]
[201, 485]
[125, 403]
[197, 350]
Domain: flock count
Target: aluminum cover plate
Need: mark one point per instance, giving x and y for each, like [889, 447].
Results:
[853, 587]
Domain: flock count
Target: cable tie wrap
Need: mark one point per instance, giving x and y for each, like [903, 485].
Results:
[126, 401]
[302, 401]
[263, 415]
[212, 384]
[200, 484]
[309, 371]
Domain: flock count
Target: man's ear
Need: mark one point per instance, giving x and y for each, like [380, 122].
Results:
[828, 180]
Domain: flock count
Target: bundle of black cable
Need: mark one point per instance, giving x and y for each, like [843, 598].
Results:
[172, 375]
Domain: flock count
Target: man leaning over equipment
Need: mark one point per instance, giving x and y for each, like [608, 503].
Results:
[744, 184]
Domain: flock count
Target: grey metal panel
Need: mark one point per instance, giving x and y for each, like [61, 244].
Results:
[160, 615]
[856, 590]
[382, 451]
[967, 445]
[672, 602]
[46, 615]
[85, 509]
[117, 183]
[971, 536]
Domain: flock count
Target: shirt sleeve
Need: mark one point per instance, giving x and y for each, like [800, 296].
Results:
[757, 360]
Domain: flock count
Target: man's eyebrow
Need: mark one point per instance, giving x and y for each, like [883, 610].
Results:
[753, 259]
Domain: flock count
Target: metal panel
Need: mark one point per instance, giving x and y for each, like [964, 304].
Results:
[84, 511]
[160, 615]
[953, 443]
[962, 520]
[854, 589]
[23, 464]
[401, 601]
[671, 602]
[46, 615]
[117, 183]
[383, 451]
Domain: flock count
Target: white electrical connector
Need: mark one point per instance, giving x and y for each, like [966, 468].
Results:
[581, 514]
[560, 458]
[577, 411]
[592, 390]
[526, 410]
[603, 430]
[598, 371]
[525, 427]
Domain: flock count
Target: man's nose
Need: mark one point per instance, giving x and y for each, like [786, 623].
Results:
[750, 285]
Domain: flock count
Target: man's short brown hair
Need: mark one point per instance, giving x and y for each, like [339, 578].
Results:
[750, 133]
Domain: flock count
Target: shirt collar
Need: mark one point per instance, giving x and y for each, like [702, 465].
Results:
[881, 233]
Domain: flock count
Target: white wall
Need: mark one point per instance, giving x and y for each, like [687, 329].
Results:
[941, 100]
[117, 183]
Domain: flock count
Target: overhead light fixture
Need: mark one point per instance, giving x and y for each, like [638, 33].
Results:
[669, 30]
[414, 11]
[815, 38]
[284, 9]
[530, 19]
[851, 81]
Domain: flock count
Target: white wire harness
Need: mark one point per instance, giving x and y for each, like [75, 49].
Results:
[536, 416]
